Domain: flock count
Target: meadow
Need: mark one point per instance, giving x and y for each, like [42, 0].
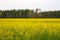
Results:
[29, 29]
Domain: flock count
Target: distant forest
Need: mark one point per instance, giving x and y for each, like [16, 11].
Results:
[27, 13]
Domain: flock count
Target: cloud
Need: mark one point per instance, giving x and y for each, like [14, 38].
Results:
[32, 4]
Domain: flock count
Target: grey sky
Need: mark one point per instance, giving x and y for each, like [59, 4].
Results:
[30, 4]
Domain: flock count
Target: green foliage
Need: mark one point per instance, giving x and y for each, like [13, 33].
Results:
[27, 13]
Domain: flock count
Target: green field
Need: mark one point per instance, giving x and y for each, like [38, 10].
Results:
[29, 29]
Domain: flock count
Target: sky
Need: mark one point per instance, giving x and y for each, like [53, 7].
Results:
[44, 5]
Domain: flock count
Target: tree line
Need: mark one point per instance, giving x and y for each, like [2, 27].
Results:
[27, 13]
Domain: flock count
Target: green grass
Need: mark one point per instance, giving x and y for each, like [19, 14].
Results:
[30, 29]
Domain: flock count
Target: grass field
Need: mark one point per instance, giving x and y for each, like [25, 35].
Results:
[30, 29]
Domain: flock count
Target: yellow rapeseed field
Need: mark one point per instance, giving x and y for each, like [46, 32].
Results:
[29, 29]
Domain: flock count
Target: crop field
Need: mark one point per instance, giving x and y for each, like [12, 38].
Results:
[29, 29]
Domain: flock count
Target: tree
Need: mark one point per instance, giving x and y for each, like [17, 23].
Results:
[0, 13]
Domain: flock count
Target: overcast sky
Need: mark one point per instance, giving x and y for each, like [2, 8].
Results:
[30, 4]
